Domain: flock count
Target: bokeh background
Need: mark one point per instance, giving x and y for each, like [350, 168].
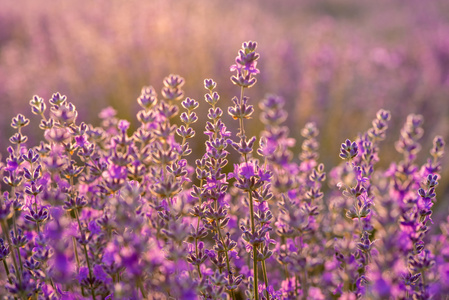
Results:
[336, 62]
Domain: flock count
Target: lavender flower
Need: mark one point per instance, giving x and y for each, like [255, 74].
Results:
[133, 211]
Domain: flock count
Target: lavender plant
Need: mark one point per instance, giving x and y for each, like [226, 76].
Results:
[121, 212]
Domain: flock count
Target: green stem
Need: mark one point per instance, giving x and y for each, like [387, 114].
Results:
[265, 277]
[19, 130]
[253, 230]
[76, 253]
[304, 286]
[242, 129]
[196, 238]
[283, 242]
[251, 207]
[14, 222]
[85, 254]
[142, 288]
[13, 192]
[35, 207]
[216, 207]
[8, 238]
[199, 271]
[75, 249]
[20, 259]
[227, 258]
[87, 260]
[7, 271]
[84, 246]
[92, 291]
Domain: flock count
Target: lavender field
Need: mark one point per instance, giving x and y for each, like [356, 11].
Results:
[224, 149]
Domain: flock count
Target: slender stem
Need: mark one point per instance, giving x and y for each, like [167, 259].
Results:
[142, 288]
[19, 130]
[187, 128]
[197, 228]
[87, 260]
[78, 265]
[92, 291]
[76, 253]
[242, 128]
[264, 268]
[283, 242]
[7, 271]
[35, 207]
[265, 277]
[304, 286]
[13, 192]
[253, 230]
[14, 261]
[43, 117]
[85, 254]
[251, 207]
[199, 271]
[423, 279]
[14, 222]
[227, 259]
[256, 290]
[360, 221]
[231, 292]
[84, 246]
[35, 203]
[20, 259]
[78, 220]
[53, 284]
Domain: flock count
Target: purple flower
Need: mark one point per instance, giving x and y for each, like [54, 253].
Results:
[100, 274]
[348, 150]
[82, 274]
[94, 228]
[58, 135]
[62, 268]
[81, 141]
[106, 215]
[107, 113]
[123, 126]
[247, 170]
[11, 165]
[117, 172]
[110, 254]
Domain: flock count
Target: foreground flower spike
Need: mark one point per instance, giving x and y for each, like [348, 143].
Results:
[245, 65]
[348, 150]
[250, 177]
[118, 211]
[363, 154]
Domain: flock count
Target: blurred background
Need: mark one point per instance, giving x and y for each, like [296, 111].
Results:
[335, 62]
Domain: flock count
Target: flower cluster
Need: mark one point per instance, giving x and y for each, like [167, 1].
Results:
[130, 211]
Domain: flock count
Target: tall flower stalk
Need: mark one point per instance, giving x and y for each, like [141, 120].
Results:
[246, 173]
